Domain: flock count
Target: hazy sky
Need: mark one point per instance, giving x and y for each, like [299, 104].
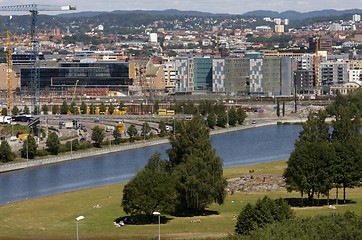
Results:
[213, 6]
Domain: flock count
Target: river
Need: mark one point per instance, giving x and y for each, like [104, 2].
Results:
[239, 148]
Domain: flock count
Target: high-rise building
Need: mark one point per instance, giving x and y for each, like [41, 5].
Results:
[153, 37]
[237, 76]
[279, 28]
[218, 75]
[356, 18]
[332, 73]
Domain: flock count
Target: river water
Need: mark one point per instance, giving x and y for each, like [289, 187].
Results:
[239, 148]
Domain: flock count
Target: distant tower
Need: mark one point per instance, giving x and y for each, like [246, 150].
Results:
[356, 18]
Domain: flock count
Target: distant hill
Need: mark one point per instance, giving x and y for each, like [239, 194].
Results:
[294, 15]
[167, 12]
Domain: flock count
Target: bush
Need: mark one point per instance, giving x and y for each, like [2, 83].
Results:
[42, 153]
[265, 211]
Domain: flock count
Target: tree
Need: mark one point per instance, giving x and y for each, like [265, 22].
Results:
[241, 115]
[83, 108]
[73, 108]
[45, 109]
[222, 119]
[346, 128]
[4, 111]
[195, 167]
[310, 165]
[278, 108]
[26, 110]
[36, 110]
[92, 109]
[102, 108]
[264, 212]
[6, 155]
[211, 120]
[29, 148]
[162, 127]
[132, 132]
[117, 136]
[15, 111]
[97, 136]
[146, 129]
[156, 106]
[152, 189]
[64, 108]
[111, 109]
[121, 106]
[233, 117]
[53, 143]
[55, 109]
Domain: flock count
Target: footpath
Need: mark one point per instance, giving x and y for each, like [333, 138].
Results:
[117, 148]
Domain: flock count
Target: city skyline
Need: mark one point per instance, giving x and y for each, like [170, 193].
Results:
[212, 6]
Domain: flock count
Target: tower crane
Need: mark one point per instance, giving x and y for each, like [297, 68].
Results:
[34, 11]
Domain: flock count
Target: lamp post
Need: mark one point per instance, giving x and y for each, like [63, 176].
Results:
[77, 220]
[159, 223]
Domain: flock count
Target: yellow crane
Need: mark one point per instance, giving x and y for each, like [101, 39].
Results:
[75, 89]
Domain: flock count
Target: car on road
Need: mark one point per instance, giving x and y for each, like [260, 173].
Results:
[253, 122]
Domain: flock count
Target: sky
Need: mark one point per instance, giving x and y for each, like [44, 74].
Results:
[213, 6]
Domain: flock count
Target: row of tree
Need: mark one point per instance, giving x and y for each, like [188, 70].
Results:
[325, 158]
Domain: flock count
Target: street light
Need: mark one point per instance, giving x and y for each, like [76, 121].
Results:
[77, 220]
[159, 223]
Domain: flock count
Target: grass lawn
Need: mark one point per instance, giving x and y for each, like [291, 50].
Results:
[54, 217]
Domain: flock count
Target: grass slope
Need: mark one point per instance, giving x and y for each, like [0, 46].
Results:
[53, 217]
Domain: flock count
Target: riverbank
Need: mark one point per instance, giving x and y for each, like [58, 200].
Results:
[127, 147]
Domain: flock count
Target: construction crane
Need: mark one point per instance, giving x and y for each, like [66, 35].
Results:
[34, 10]
[75, 89]
[9, 69]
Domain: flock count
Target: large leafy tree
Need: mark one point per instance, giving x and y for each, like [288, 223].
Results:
[312, 158]
[53, 143]
[102, 108]
[26, 110]
[6, 155]
[346, 128]
[195, 167]
[152, 189]
[97, 136]
[29, 148]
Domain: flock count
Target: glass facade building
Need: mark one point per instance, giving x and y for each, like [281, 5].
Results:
[105, 74]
